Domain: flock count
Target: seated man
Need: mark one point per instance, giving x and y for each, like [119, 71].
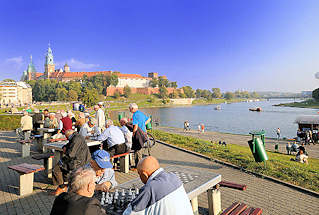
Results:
[163, 192]
[76, 154]
[127, 133]
[105, 177]
[79, 199]
[113, 139]
[51, 121]
[80, 122]
[301, 156]
[90, 129]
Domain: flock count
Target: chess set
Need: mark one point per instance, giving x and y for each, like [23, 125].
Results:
[116, 202]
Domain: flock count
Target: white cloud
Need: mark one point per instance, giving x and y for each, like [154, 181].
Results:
[77, 65]
[15, 60]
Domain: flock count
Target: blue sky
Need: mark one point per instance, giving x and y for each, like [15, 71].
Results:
[232, 44]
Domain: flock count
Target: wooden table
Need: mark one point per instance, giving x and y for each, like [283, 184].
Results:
[195, 183]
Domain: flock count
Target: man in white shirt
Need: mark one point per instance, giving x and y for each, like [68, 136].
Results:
[113, 139]
[127, 133]
[100, 116]
[90, 129]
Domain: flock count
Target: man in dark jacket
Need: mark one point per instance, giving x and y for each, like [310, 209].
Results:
[79, 199]
[76, 154]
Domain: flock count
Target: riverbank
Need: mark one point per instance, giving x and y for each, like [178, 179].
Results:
[278, 166]
[303, 104]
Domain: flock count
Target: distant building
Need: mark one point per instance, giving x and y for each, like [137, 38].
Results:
[136, 82]
[17, 93]
[306, 93]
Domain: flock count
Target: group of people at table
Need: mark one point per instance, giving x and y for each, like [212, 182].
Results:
[79, 173]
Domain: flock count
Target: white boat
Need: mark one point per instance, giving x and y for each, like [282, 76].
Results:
[218, 107]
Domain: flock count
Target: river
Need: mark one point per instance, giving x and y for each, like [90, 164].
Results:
[235, 118]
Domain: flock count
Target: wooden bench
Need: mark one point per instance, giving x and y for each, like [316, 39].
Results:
[233, 185]
[58, 140]
[47, 162]
[25, 147]
[241, 209]
[26, 172]
[124, 161]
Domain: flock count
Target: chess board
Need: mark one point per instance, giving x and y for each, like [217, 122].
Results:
[117, 201]
[185, 177]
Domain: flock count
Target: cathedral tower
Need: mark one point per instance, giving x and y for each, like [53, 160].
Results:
[49, 66]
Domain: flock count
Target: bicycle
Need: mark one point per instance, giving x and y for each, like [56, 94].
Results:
[149, 143]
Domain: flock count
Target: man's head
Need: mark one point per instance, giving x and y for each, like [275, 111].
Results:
[108, 123]
[123, 121]
[92, 122]
[70, 114]
[100, 104]
[52, 116]
[146, 167]
[133, 107]
[100, 161]
[64, 114]
[83, 182]
[25, 113]
[81, 115]
[68, 133]
[96, 107]
[46, 112]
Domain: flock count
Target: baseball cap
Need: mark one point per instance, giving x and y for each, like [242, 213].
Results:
[102, 158]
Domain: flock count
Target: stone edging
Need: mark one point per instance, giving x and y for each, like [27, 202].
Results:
[310, 192]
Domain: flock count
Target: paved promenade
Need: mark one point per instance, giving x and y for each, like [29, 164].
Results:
[313, 150]
[273, 198]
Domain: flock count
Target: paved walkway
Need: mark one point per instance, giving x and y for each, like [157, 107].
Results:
[313, 150]
[273, 198]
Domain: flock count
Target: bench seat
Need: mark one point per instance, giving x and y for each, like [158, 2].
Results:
[47, 162]
[241, 209]
[26, 172]
[124, 161]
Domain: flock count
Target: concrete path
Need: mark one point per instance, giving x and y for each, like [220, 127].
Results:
[273, 198]
[313, 150]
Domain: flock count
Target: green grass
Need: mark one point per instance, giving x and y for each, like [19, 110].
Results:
[304, 104]
[278, 166]
[9, 122]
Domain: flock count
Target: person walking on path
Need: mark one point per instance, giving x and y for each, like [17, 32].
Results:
[100, 117]
[278, 133]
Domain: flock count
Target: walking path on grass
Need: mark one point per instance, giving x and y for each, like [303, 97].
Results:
[238, 139]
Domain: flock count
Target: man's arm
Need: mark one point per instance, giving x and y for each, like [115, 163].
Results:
[147, 121]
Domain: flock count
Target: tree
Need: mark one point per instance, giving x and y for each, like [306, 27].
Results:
[216, 93]
[173, 95]
[229, 95]
[154, 82]
[72, 95]
[163, 92]
[89, 97]
[254, 95]
[163, 82]
[315, 94]
[173, 84]
[61, 94]
[188, 91]
[206, 94]
[127, 91]
[198, 93]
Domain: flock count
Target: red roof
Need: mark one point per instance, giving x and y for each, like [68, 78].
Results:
[38, 74]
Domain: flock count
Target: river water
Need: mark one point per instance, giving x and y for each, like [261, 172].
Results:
[235, 118]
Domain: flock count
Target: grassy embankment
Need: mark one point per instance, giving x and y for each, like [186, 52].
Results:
[278, 166]
[304, 104]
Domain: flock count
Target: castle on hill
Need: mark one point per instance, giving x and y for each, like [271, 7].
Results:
[137, 83]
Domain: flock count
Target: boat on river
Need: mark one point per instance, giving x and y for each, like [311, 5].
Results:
[218, 107]
[258, 109]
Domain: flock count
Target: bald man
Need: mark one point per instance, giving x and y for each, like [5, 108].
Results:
[162, 194]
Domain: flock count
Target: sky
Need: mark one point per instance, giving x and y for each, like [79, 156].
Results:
[254, 45]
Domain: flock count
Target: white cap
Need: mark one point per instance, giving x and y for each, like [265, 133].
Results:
[100, 103]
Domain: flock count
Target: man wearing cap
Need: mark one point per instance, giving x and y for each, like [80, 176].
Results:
[100, 117]
[90, 129]
[105, 177]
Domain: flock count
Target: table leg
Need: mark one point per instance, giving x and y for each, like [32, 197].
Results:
[194, 203]
[26, 184]
[25, 149]
[124, 164]
[214, 201]
[48, 164]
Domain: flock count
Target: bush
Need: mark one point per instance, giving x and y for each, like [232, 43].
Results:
[9, 122]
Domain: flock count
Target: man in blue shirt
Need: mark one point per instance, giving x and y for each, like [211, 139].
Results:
[105, 177]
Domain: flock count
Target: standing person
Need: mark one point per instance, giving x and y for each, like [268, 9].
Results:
[139, 121]
[99, 115]
[79, 199]
[278, 133]
[26, 125]
[163, 192]
[202, 128]
[36, 119]
[199, 128]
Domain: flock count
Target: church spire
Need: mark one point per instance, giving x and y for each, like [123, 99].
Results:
[49, 56]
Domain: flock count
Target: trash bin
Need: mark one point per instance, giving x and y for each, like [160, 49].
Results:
[121, 115]
[257, 146]
[149, 125]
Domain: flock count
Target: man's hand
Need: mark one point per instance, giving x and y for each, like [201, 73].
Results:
[103, 187]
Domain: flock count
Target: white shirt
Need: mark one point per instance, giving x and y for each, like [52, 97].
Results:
[100, 118]
[128, 136]
[113, 135]
[86, 131]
